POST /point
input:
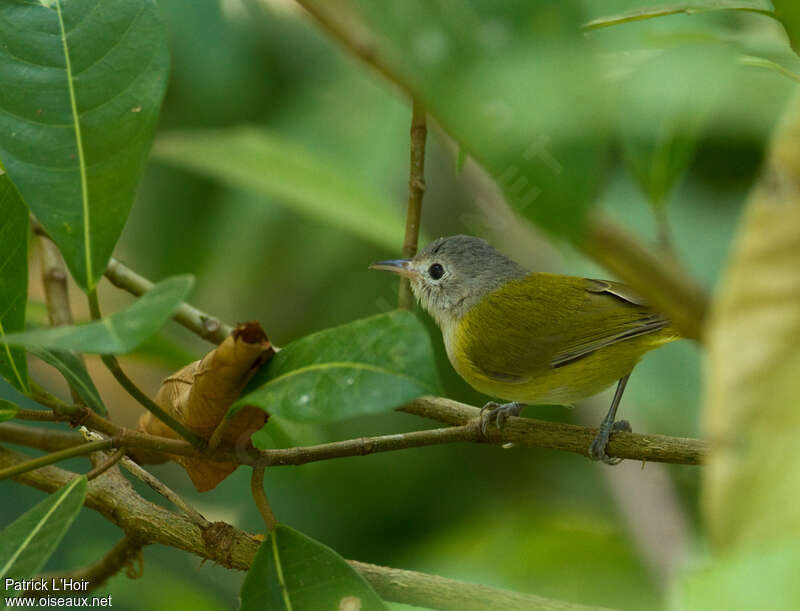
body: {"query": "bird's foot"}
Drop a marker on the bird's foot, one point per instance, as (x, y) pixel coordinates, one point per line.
(499, 413)
(597, 449)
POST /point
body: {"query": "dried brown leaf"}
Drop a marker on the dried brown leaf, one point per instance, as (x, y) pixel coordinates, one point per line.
(199, 396)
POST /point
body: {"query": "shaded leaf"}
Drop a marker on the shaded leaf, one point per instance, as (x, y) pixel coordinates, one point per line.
(118, 333)
(702, 6)
(295, 573)
(253, 159)
(665, 102)
(13, 278)
(77, 116)
(788, 11)
(362, 367)
(751, 485)
(7, 410)
(27, 543)
(71, 367)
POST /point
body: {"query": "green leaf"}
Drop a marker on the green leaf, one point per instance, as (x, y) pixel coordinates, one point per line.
(751, 483)
(27, 543)
(754, 579)
(75, 373)
(118, 333)
(7, 410)
(13, 278)
(365, 366)
(293, 572)
(253, 159)
(665, 102)
(82, 86)
(788, 11)
(689, 8)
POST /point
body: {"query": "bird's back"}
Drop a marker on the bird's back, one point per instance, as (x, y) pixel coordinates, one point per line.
(545, 338)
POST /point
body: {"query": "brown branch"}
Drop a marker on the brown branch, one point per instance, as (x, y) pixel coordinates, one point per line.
(416, 190)
(206, 326)
(54, 279)
(464, 421)
(127, 554)
(224, 544)
(260, 498)
(565, 437)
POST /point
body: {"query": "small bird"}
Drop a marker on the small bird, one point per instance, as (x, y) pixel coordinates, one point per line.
(532, 337)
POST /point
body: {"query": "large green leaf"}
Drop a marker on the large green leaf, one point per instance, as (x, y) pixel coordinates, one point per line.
(27, 543)
(74, 371)
(13, 278)
(82, 85)
(253, 159)
(118, 333)
(292, 572)
(366, 366)
(751, 484)
(7, 410)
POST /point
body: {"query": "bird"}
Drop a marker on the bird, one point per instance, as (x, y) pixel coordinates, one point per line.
(529, 337)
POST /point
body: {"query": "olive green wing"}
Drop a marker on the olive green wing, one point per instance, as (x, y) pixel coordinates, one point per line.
(544, 321)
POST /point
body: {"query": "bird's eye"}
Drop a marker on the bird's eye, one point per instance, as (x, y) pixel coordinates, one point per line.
(436, 271)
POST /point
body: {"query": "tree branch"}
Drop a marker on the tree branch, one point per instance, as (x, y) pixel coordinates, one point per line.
(224, 544)
(49, 459)
(122, 556)
(464, 420)
(416, 190)
(206, 326)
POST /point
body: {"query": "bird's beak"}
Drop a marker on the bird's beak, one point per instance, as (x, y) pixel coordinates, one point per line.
(396, 266)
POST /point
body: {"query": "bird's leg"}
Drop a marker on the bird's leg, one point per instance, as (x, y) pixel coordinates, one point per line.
(499, 413)
(597, 449)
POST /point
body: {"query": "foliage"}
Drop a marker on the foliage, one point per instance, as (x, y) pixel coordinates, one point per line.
(279, 174)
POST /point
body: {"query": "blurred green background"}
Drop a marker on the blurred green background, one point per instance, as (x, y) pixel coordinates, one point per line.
(553, 524)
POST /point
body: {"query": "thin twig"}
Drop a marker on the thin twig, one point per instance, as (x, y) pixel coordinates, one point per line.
(54, 279)
(49, 459)
(106, 464)
(48, 440)
(39, 415)
(112, 364)
(154, 483)
(123, 555)
(260, 498)
(416, 190)
(206, 326)
(233, 548)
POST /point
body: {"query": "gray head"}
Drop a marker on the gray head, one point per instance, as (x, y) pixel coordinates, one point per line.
(450, 274)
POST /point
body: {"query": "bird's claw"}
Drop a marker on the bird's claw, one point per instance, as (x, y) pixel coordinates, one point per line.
(499, 413)
(597, 449)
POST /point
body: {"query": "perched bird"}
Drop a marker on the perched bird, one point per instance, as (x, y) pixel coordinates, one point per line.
(530, 337)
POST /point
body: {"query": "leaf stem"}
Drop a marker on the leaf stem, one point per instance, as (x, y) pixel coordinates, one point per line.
(106, 465)
(49, 459)
(260, 498)
(416, 190)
